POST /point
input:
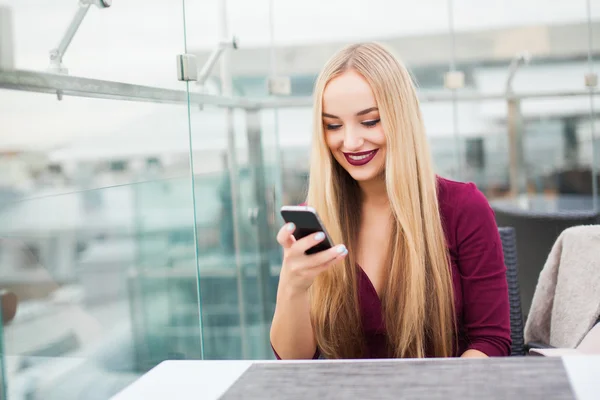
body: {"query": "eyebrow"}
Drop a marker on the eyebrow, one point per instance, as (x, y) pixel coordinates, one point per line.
(358, 114)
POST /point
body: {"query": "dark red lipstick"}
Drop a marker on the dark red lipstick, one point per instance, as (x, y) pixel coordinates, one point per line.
(360, 158)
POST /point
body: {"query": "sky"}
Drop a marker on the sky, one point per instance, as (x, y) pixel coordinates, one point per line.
(135, 41)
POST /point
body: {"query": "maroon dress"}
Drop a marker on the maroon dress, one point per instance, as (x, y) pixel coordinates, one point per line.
(478, 274)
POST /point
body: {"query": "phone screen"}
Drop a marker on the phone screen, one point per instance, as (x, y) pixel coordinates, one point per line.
(307, 223)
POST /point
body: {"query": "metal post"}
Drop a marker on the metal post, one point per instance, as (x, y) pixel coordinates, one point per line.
(278, 167)
(517, 180)
(591, 83)
(515, 147)
(455, 126)
(226, 90)
(570, 142)
(3, 376)
(265, 236)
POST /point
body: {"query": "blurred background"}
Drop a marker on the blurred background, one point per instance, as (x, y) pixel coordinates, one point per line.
(139, 192)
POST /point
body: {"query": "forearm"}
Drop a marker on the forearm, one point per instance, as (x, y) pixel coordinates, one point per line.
(292, 335)
(471, 353)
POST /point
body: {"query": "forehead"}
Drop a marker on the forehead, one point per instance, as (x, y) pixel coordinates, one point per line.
(347, 94)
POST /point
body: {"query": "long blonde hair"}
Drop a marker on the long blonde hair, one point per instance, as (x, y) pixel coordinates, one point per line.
(418, 304)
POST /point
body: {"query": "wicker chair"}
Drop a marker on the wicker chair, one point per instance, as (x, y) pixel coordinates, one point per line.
(509, 247)
(543, 227)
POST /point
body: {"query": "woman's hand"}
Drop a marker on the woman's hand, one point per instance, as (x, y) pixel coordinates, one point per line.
(299, 270)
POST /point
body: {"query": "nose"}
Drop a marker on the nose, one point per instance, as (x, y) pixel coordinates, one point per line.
(352, 140)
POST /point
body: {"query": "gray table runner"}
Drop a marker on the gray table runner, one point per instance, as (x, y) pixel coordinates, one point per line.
(494, 378)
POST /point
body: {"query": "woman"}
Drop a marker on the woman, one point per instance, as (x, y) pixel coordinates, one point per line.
(418, 270)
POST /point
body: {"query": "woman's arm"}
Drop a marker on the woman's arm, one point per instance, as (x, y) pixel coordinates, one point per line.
(486, 309)
(292, 336)
(473, 354)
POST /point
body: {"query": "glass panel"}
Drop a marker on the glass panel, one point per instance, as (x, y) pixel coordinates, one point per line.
(96, 214)
(558, 151)
(235, 282)
(217, 210)
(164, 299)
(262, 145)
(97, 303)
(441, 125)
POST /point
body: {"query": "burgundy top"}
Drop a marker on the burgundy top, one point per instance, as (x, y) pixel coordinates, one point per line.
(478, 274)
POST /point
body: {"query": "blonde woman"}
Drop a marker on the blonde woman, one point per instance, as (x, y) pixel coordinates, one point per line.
(418, 269)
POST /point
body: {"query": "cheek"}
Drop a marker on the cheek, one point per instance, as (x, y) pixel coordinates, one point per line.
(333, 140)
(379, 136)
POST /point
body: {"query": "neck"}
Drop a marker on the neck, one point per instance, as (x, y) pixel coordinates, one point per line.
(374, 193)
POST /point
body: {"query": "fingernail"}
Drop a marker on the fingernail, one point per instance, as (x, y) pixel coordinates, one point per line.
(342, 249)
(290, 227)
(320, 236)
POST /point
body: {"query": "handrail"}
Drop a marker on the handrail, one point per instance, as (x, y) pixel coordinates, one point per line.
(43, 82)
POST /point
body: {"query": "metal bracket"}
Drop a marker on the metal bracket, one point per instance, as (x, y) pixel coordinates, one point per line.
(187, 69)
(212, 61)
(214, 57)
(279, 85)
(591, 80)
(520, 59)
(57, 54)
(454, 80)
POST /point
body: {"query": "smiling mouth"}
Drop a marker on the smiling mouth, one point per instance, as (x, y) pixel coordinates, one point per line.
(360, 158)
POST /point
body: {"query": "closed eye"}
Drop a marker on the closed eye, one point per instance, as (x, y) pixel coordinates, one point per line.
(332, 127)
(371, 123)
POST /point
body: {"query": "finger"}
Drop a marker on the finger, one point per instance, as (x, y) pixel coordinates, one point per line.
(315, 271)
(307, 242)
(284, 236)
(327, 256)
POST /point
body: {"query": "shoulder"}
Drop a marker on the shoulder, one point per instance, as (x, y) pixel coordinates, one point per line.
(457, 197)
(464, 209)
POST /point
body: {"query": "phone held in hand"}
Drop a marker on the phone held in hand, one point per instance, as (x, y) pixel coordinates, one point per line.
(307, 223)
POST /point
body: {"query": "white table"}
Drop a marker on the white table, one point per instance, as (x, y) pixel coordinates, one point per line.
(193, 380)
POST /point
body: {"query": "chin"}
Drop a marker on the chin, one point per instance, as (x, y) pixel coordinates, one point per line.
(362, 174)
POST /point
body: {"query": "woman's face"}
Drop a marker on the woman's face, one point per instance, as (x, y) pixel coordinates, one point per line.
(352, 127)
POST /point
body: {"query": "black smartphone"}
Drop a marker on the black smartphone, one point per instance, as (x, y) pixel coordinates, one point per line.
(307, 223)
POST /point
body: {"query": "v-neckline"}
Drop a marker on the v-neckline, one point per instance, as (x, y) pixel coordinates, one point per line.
(369, 282)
